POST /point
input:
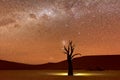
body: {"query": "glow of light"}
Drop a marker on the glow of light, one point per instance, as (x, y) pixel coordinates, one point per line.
(75, 74)
(58, 74)
(87, 74)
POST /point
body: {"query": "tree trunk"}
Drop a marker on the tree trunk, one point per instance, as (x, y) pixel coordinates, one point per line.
(70, 67)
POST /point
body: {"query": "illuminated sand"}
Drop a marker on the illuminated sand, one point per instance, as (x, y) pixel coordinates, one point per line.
(58, 75)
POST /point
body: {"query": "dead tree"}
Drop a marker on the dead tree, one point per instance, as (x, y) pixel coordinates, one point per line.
(68, 50)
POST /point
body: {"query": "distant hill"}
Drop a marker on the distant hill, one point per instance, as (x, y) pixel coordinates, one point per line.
(103, 62)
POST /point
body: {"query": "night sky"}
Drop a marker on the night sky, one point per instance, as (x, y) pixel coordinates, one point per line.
(34, 31)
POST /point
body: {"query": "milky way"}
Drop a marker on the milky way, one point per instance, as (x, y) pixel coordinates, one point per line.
(34, 31)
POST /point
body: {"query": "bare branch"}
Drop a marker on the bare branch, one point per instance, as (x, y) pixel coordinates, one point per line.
(66, 50)
(69, 49)
(70, 43)
(75, 55)
(72, 50)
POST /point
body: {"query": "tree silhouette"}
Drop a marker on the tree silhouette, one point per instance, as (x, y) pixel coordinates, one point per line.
(68, 50)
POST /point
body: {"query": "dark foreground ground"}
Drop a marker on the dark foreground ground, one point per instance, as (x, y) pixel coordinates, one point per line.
(57, 75)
